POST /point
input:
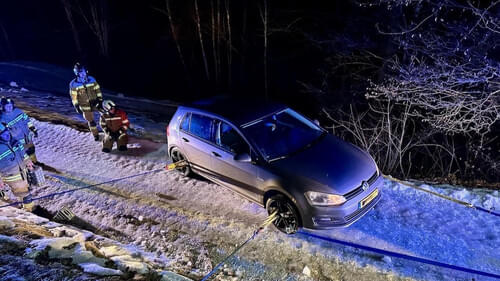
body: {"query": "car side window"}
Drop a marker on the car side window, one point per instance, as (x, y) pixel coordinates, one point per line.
(201, 126)
(185, 122)
(229, 139)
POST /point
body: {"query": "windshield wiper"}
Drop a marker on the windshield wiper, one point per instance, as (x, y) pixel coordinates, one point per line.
(279, 158)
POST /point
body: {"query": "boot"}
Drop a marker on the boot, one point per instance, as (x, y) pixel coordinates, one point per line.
(106, 150)
(122, 148)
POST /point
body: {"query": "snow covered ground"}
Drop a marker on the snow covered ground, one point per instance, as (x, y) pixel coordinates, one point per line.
(34, 248)
(192, 224)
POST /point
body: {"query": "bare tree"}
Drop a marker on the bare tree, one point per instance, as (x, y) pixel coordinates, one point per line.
(5, 35)
(198, 25)
(68, 7)
(174, 36)
(433, 102)
(445, 68)
(264, 18)
(229, 45)
(214, 49)
(97, 20)
(218, 36)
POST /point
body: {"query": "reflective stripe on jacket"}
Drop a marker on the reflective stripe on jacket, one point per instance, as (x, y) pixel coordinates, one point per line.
(19, 124)
(86, 95)
(12, 158)
(115, 122)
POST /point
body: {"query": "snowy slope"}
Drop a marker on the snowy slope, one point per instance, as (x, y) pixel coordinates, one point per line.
(206, 217)
(193, 223)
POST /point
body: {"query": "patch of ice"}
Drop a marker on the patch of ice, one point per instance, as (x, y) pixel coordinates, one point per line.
(134, 145)
(96, 269)
(113, 251)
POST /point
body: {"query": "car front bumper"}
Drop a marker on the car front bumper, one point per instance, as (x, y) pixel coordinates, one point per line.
(316, 217)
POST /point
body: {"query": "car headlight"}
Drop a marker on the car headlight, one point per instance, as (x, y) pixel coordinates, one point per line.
(324, 199)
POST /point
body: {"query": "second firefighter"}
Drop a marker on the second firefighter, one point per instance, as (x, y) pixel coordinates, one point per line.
(114, 123)
(86, 97)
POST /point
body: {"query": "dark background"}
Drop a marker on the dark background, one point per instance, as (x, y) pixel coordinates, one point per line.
(143, 59)
(321, 58)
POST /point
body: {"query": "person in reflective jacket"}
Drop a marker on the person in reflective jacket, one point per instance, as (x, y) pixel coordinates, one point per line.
(19, 125)
(86, 97)
(114, 123)
(14, 163)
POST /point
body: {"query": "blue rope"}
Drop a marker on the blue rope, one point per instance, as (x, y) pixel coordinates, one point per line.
(399, 255)
(79, 188)
(487, 211)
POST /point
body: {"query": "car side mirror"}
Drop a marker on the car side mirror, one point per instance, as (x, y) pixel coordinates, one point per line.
(243, 157)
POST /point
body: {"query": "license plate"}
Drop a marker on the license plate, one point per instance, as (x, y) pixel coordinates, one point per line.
(368, 199)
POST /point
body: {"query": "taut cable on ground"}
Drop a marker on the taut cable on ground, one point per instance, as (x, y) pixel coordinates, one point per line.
(399, 255)
(169, 167)
(444, 196)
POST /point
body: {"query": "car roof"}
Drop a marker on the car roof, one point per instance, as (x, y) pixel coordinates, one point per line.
(237, 110)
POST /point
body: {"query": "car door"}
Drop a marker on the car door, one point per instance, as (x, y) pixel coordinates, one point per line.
(196, 135)
(241, 176)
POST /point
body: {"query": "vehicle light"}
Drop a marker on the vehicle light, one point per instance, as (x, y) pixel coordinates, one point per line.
(324, 199)
(168, 130)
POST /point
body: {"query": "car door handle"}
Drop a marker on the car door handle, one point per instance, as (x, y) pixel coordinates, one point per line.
(215, 154)
(185, 140)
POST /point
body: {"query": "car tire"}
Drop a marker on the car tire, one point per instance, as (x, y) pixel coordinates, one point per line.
(288, 220)
(177, 156)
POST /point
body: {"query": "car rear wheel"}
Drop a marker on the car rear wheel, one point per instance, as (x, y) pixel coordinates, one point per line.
(288, 220)
(178, 156)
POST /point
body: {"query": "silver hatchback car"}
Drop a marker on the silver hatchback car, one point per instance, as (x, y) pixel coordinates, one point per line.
(277, 158)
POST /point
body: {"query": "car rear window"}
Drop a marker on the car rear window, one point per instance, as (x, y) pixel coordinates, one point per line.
(201, 126)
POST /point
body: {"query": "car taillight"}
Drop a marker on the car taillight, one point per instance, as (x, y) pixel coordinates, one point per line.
(168, 130)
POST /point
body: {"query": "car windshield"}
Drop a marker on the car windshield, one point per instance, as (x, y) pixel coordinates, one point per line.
(282, 133)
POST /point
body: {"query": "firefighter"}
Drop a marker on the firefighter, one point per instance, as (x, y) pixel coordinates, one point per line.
(114, 123)
(19, 125)
(14, 163)
(86, 97)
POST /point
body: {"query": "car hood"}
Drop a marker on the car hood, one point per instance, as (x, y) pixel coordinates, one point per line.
(330, 165)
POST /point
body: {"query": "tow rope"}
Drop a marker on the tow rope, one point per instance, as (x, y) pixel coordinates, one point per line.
(466, 204)
(169, 167)
(399, 255)
(267, 222)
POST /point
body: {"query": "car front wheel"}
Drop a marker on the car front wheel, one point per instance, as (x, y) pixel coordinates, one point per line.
(178, 156)
(288, 220)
